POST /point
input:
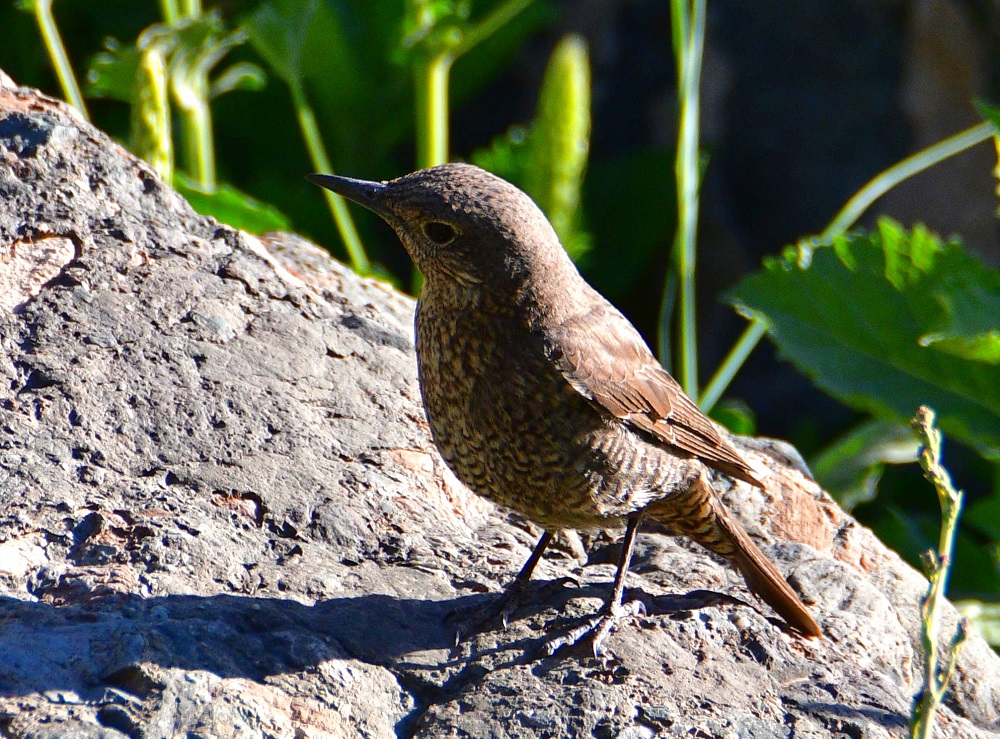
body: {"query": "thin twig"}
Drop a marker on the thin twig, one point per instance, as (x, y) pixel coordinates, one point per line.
(937, 565)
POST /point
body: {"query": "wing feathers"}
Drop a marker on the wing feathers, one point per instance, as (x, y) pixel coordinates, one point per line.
(613, 367)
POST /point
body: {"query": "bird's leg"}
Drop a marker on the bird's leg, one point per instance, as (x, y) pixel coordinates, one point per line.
(596, 629)
(514, 593)
(512, 597)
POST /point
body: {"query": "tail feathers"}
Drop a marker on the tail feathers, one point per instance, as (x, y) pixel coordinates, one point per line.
(764, 580)
(699, 514)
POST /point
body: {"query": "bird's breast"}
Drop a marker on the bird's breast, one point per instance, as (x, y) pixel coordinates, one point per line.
(510, 426)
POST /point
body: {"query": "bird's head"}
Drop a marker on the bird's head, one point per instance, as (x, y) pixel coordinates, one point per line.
(459, 222)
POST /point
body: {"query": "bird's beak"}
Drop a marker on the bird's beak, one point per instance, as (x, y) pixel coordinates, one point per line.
(362, 192)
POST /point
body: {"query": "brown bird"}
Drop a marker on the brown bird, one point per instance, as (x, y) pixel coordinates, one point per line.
(541, 396)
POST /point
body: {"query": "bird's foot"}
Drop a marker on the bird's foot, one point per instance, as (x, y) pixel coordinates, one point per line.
(594, 631)
(473, 620)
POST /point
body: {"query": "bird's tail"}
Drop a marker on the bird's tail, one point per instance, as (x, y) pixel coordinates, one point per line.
(700, 515)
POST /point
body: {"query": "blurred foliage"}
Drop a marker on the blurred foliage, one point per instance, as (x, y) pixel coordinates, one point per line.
(888, 320)
(992, 114)
(885, 321)
(852, 465)
(548, 158)
(985, 619)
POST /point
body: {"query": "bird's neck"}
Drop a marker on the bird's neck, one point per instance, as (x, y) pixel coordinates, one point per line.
(544, 292)
(556, 293)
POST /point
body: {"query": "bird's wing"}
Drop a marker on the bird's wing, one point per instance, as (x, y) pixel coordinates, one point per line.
(606, 360)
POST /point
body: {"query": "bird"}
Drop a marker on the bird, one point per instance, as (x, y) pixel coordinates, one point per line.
(543, 398)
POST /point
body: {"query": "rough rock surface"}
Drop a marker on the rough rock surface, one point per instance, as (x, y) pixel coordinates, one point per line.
(221, 515)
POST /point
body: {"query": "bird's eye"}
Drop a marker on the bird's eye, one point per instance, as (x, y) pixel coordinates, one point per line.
(438, 232)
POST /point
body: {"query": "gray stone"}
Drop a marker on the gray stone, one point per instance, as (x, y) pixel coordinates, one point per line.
(221, 514)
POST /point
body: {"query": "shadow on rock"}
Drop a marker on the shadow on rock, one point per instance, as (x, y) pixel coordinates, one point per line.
(75, 648)
(80, 648)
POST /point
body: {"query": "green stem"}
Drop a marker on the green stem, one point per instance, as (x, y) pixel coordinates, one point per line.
(431, 84)
(170, 12)
(321, 163)
(200, 151)
(885, 181)
(57, 52)
(680, 21)
(754, 332)
(494, 21)
(936, 679)
(688, 183)
(431, 89)
(191, 8)
(151, 137)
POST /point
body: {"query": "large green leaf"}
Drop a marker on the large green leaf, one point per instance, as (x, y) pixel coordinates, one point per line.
(278, 31)
(112, 72)
(887, 321)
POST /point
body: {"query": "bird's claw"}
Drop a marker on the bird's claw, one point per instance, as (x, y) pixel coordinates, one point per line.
(594, 630)
(472, 620)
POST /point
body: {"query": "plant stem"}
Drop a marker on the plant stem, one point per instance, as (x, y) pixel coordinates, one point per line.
(731, 364)
(431, 90)
(497, 19)
(57, 52)
(886, 180)
(197, 124)
(687, 168)
(150, 126)
(191, 8)
(431, 76)
(936, 679)
(321, 163)
(170, 12)
(431, 83)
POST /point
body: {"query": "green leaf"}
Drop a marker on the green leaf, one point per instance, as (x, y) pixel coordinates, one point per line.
(863, 318)
(200, 43)
(112, 72)
(736, 416)
(985, 618)
(913, 534)
(278, 31)
(240, 76)
(984, 516)
(850, 468)
(229, 205)
(992, 114)
(507, 156)
(432, 26)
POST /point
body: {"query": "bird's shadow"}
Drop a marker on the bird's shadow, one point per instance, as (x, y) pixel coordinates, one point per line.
(84, 647)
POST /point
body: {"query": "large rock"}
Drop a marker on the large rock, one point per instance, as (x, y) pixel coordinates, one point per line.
(221, 514)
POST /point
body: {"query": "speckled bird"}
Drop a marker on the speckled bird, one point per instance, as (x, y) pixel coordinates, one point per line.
(541, 396)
